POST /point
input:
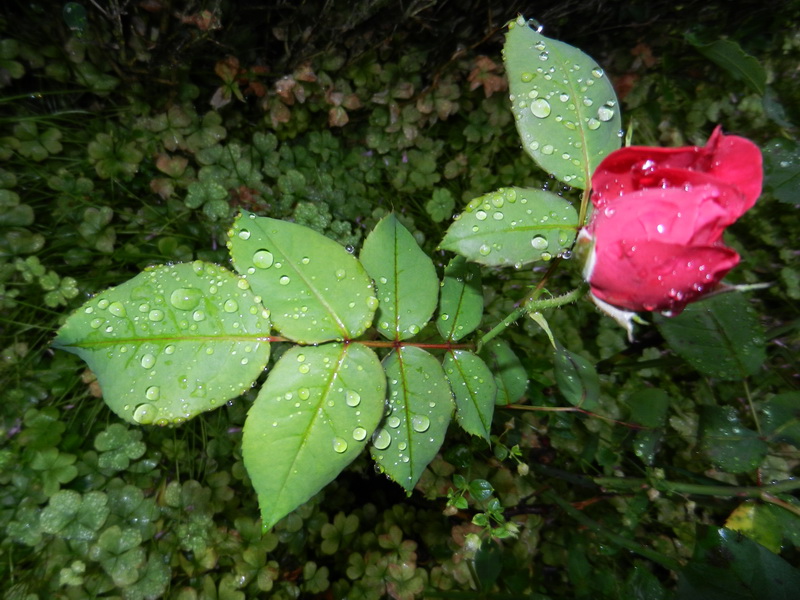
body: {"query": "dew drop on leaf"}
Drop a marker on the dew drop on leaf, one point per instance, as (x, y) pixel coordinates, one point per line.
(352, 398)
(148, 360)
(152, 393)
(185, 298)
(339, 445)
(144, 414)
(263, 259)
(420, 423)
(539, 243)
(381, 439)
(359, 434)
(117, 309)
(244, 234)
(284, 280)
(540, 108)
(230, 306)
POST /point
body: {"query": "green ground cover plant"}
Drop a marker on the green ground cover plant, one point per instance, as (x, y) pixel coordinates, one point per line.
(148, 146)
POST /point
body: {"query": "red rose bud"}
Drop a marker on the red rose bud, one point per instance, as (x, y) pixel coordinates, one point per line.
(658, 219)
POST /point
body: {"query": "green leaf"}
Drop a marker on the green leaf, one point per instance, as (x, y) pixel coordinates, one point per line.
(75, 517)
(405, 278)
(315, 290)
(720, 336)
(781, 421)
(313, 416)
(729, 566)
(759, 522)
(649, 408)
(782, 169)
(120, 554)
(474, 389)
(564, 104)
(513, 226)
(509, 374)
(440, 206)
(727, 443)
(577, 379)
(730, 56)
(172, 342)
(460, 300)
(419, 409)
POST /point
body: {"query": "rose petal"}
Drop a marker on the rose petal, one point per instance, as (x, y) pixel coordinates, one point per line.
(677, 216)
(738, 161)
(659, 276)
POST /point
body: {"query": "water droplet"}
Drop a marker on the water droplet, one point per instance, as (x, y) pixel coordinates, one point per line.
(484, 250)
(103, 304)
(185, 298)
(152, 393)
(543, 56)
(243, 284)
(198, 315)
(148, 360)
(481, 215)
(420, 423)
(244, 234)
(96, 323)
(263, 259)
(498, 216)
(540, 108)
(304, 368)
(372, 302)
(597, 73)
(539, 243)
(156, 315)
(445, 317)
(284, 280)
(393, 422)
(339, 445)
(381, 439)
(352, 398)
(144, 414)
(169, 349)
(230, 306)
(511, 195)
(305, 260)
(117, 309)
(413, 329)
(563, 97)
(340, 274)
(605, 113)
(588, 101)
(527, 77)
(359, 434)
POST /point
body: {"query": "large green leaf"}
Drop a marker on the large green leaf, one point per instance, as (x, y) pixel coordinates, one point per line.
(730, 56)
(509, 374)
(460, 300)
(174, 341)
(419, 409)
(313, 416)
(405, 279)
(577, 379)
(720, 336)
(728, 566)
(564, 104)
(730, 446)
(315, 289)
(474, 389)
(781, 420)
(513, 226)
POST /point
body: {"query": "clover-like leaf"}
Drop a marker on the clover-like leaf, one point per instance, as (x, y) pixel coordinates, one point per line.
(564, 104)
(460, 300)
(312, 417)
(315, 289)
(120, 554)
(75, 517)
(172, 342)
(405, 278)
(513, 226)
(474, 389)
(117, 446)
(419, 410)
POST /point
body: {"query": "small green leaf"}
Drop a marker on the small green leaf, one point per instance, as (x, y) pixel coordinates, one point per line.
(75, 517)
(474, 389)
(781, 420)
(730, 56)
(513, 226)
(460, 300)
(509, 374)
(440, 206)
(120, 554)
(315, 289)
(728, 444)
(419, 409)
(313, 416)
(565, 106)
(720, 336)
(405, 278)
(577, 379)
(759, 523)
(172, 342)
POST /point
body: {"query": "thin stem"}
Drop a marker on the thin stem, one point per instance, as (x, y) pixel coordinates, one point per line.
(584, 203)
(699, 489)
(656, 557)
(752, 406)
